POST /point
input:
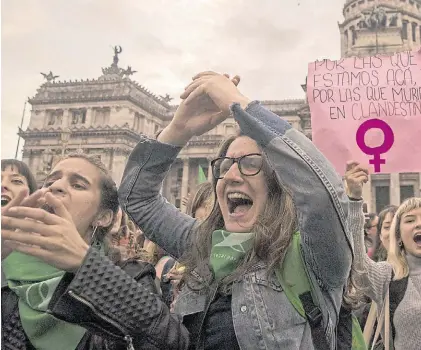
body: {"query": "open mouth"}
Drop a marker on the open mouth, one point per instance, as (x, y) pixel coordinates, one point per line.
(47, 208)
(417, 239)
(5, 200)
(238, 203)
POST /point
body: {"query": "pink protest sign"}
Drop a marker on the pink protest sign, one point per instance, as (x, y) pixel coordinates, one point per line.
(368, 109)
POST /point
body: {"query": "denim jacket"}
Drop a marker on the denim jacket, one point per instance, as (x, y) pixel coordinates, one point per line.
(262, 315)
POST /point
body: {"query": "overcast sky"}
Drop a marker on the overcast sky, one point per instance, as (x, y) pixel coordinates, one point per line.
(268, 42)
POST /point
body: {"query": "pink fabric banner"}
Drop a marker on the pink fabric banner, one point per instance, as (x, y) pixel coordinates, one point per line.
(368, 109)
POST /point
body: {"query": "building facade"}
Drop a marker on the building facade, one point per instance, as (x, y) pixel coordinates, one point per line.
(103, 116)
(106, 116)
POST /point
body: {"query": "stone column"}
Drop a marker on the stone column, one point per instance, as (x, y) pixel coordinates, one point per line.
(89, 116)
(37, 160)
(26, 157)
(106, 157)
(419, 186)
(119, 164)
(348, 39)
(395, 190)
(210, 169)
(399, 22)
(417, 35)
(142, 125)
(66, 117)
(185, 181)
(368, 194)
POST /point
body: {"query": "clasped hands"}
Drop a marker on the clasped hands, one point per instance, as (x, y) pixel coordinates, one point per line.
(51, 237)
(205, 103)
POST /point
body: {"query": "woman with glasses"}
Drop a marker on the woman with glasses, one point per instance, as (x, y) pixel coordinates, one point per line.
(269, 182)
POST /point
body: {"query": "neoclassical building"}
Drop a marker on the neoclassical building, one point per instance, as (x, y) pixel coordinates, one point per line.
(106, 116)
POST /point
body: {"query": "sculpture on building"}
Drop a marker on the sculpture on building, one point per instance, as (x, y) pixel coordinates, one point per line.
(75, 118)
(78, 116)
(51, 119)
(117, 51)
(55, 117)
(393, 21)
(376, 19)
(127, 72)
(166, 98)
(114, 71)
(50, 76)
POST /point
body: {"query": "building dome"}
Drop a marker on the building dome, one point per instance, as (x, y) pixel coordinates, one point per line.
(380, 26)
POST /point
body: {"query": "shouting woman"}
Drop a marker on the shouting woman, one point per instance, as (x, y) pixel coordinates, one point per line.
(17, 182)
(64, 293)
(270, 182)
(398, 278)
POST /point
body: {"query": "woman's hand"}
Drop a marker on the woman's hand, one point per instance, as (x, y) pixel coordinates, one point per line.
(51, 237)
(20, 200)
(356, 176)
(185, 200)
(206, 103)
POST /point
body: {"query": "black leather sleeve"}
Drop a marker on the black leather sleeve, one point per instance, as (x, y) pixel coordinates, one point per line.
(106, 300)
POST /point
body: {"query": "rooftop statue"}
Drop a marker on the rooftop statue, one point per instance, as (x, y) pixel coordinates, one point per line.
(50, 76)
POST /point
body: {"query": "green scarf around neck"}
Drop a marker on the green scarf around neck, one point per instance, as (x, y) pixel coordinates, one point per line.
(34, 282)
(228, 248)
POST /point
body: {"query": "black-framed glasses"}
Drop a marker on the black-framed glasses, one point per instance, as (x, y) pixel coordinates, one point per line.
(249, 165)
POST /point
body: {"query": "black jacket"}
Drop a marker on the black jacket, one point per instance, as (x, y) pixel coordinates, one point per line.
(119, 306)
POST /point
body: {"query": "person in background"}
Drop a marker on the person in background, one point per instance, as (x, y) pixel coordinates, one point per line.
(15, 178)
(59, 253)
(17, 183)
(270, 182)
(370, 229)
(200, 205)
(383, 232)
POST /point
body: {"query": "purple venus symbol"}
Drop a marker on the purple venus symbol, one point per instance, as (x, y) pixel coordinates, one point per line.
(389, 139)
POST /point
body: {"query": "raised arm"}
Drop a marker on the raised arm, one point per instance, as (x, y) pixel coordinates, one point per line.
(150, 161)
(316, 188)
(373, 276)
(139, 197)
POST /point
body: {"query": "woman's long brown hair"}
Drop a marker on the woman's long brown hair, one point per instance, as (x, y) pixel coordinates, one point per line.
(273, 231)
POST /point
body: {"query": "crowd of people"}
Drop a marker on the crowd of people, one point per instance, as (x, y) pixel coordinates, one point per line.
(274, 253)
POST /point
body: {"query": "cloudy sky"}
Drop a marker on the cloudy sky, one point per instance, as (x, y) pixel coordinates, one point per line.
(268, 42)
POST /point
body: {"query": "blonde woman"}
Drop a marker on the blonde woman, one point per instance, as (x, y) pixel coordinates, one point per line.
(401, 273)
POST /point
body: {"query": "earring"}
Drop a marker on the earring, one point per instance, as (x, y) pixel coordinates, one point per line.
(400, 244)
(93, 233)
(94, 241)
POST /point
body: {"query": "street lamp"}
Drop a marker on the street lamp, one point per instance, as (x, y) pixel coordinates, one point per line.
(65, 136)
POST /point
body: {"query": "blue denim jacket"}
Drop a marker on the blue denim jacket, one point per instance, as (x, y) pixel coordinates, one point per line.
(263, 316)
